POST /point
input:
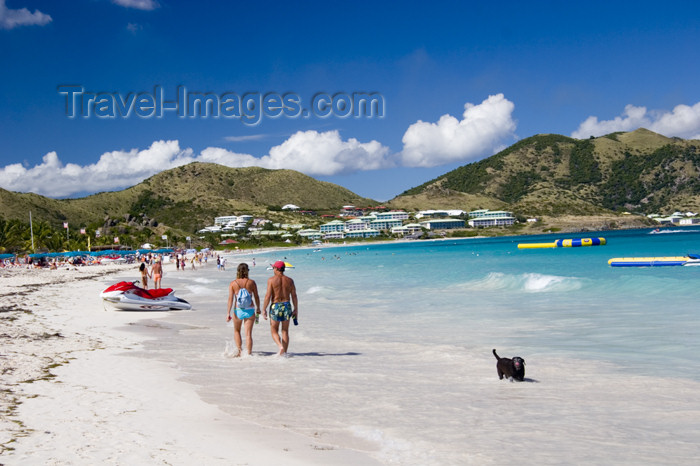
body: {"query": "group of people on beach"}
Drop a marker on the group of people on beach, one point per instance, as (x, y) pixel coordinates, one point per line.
(156, 265)
(280, 296)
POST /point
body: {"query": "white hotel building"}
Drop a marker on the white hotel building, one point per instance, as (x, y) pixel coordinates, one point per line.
(490, 218)
(363, 227)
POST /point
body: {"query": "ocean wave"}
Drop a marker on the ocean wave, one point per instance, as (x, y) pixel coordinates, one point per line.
(200, 290)
(314, 290)
(202, 280)
(526, 282)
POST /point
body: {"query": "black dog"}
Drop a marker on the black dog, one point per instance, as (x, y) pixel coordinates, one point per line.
(510, 368)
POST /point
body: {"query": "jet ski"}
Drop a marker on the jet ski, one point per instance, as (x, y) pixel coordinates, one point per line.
(127, 296)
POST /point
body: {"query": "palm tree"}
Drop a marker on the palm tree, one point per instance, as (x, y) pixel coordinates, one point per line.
(56, 242)
(11, 235)
(44, 235)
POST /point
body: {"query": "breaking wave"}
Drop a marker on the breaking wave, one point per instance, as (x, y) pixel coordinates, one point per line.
(526, 282)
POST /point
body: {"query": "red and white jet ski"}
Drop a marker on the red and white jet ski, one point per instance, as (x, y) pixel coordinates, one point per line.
(129, 297)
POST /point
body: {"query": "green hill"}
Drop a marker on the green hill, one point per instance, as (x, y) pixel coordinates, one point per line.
(556, 175)
(186, 198)
(544, 175)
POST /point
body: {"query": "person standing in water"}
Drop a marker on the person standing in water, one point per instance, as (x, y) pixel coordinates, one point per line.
(280, 291)
(240, 294)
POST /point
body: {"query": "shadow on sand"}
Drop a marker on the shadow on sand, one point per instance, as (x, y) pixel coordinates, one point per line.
(314, 353)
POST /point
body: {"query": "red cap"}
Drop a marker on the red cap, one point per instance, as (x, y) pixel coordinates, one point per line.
(279, 265)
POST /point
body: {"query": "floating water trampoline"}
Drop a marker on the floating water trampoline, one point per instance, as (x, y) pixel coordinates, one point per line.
(565, 243)
(690, 259)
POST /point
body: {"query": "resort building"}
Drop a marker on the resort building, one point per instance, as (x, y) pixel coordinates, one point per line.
(492, 221)
(485, 213)
(334, 235)
(392, 215)
(232, 222)
(310, 234)
(384, 224)
(356, 224)
(432, 214)
(221, 221)
(366, 233)
(490, 218)
(407, 229)
(456, 213)
(335, 225)
(288, 226)
(348, 211)
(212, 229)
(442, 224)
(235, 225)
(258, 233)
(675, 219)
(258, 222)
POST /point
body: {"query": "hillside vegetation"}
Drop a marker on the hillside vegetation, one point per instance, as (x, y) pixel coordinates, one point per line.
(556, 178)
(187, 198)
(555, 175)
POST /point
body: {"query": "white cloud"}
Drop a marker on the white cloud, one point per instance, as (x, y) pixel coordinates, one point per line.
(228, 158)
(326, 153)
(312, 153)
(309, 152)
(10, 19)
(138, 4)
(114, 170)
(249, 137)
(683, 121)
(481, 130)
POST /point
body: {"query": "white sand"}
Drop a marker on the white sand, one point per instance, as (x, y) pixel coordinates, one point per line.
(71, 393)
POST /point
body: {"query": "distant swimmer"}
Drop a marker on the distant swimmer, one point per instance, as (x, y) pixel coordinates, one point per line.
(280, 291)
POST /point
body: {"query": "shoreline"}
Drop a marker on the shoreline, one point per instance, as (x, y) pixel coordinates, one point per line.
(75, 391)
(573, 233)
(107, 392)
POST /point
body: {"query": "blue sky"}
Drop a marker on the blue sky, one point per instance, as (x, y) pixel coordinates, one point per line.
(458, 81)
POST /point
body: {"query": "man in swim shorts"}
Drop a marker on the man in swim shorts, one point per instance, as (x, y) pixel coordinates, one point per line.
(157, 270)
(280, 291)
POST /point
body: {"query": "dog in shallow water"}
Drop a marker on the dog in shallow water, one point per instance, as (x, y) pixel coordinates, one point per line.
(510, 368)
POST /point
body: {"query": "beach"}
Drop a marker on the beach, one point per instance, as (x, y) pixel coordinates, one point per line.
(72, 393)
(390, 364)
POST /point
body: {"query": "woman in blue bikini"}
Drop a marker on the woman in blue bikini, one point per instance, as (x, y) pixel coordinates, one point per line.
(241, 292)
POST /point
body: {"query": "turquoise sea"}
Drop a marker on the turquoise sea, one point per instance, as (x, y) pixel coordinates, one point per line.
(392, 354)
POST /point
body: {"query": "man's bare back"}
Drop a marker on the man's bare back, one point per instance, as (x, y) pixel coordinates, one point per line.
(281, 288)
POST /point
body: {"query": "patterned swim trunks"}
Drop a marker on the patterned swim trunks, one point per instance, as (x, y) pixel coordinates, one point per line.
(281, 312)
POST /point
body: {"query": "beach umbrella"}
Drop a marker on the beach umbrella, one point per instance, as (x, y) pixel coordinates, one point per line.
(75, 253)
